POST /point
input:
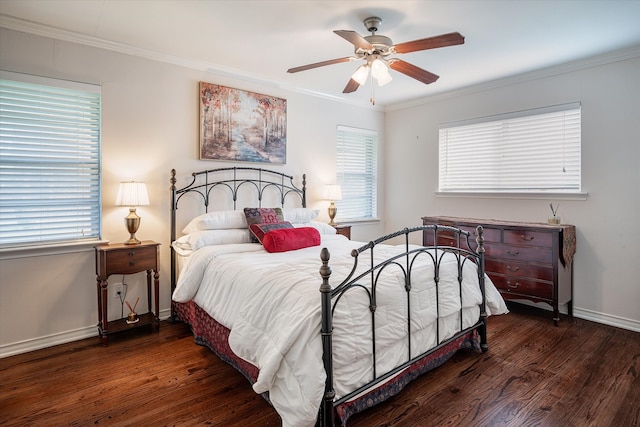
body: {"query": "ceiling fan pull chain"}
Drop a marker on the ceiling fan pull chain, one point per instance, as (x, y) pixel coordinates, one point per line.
(371, 99)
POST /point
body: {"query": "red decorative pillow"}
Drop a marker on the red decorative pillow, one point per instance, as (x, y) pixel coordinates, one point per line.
(259, 230)
(262, 216)
(290, 239)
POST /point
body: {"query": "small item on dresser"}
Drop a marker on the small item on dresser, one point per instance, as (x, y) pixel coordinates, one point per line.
(555, 219)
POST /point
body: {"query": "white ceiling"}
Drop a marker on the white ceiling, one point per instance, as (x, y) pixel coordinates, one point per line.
(260, 40)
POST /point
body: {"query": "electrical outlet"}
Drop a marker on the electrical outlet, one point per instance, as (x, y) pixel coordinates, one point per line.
(117, 290)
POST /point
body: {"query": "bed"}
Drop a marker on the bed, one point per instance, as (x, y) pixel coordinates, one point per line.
(323, 327)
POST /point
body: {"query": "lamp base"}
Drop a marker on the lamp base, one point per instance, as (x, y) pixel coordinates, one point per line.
(132, 221)
(133, 241)
(332, 210)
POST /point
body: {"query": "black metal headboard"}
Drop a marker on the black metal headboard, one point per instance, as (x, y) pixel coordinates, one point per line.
(232, 179)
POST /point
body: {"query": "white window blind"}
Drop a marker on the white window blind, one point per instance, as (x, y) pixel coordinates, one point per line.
(530, 151)
(49, 160)
(357, 161)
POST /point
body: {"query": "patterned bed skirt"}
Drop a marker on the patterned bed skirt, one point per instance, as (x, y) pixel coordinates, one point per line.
(215, 336)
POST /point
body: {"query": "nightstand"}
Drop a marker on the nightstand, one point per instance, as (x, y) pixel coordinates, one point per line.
(345, 230)
(119, 258)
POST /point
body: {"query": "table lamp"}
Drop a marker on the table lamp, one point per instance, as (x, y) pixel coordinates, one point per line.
(132, 194)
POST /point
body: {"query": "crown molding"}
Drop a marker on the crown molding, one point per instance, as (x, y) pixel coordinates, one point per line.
(568, 67)
(38, 29)
(35, 28)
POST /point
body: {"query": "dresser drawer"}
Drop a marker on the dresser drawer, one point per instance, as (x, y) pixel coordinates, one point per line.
(489, 234)
(517, 286)
(520, 269)
(528, 237)
(132, 260)
(449, 238)
(520, 253)
(445, 238)
(450, 241)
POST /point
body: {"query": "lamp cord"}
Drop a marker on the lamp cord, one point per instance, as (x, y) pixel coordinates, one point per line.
(123, 295)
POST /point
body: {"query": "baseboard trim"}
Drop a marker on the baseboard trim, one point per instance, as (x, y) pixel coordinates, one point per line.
(26, 346)
(91, 331)
(607, 319)
(47, 341)
(593, 316)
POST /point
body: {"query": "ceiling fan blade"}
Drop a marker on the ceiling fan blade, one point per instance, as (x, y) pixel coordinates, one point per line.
(355, 39)
(412, 71)
(318, 64)
(351, 86)
(443, 40)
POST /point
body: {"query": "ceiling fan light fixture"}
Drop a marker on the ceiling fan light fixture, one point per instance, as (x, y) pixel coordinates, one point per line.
(361, 74)
(380, 71)
(384, 79)
(376, 49)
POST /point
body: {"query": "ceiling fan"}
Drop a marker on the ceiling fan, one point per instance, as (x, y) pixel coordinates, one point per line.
(375, 50)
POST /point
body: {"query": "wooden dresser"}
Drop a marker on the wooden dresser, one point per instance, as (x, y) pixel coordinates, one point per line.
(526, 261)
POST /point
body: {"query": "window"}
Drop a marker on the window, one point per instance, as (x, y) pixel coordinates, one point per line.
(529, 151)
(49, 161)
(356, 173)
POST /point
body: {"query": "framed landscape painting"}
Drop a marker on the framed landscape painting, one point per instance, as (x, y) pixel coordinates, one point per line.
(242, 126)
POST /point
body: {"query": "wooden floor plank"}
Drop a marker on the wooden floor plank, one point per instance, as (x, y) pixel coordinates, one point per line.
(534, 374)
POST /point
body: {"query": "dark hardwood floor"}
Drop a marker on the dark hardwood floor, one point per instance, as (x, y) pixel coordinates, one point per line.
(534, 374)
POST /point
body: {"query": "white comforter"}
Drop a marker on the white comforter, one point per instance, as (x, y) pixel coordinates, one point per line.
(271, 304)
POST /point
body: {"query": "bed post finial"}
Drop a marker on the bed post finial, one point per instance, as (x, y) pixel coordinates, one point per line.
(326, 411)
(304, 190)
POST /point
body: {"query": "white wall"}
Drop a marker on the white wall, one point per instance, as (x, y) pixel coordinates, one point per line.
(606, 267)
(149, 126)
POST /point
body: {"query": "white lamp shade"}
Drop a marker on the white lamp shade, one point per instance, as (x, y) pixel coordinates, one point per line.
(332, 192)
(361, 74)
(132, 194)
(380, 71)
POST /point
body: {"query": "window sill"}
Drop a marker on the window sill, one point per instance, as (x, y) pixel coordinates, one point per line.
(521, 196)
(47, 250)
(362, 221)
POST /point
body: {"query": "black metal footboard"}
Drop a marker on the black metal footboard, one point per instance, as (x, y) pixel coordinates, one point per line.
(404, 260)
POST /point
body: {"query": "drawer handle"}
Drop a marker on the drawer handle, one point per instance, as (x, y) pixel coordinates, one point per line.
(516, 252)
(512, 269)
(516, 286)
(132, 253)
(131, 263)
(523, 237)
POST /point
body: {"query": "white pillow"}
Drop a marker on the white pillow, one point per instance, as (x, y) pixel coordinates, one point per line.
(217, 220)
(322, 227)
(201, 238)
(300, 215)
